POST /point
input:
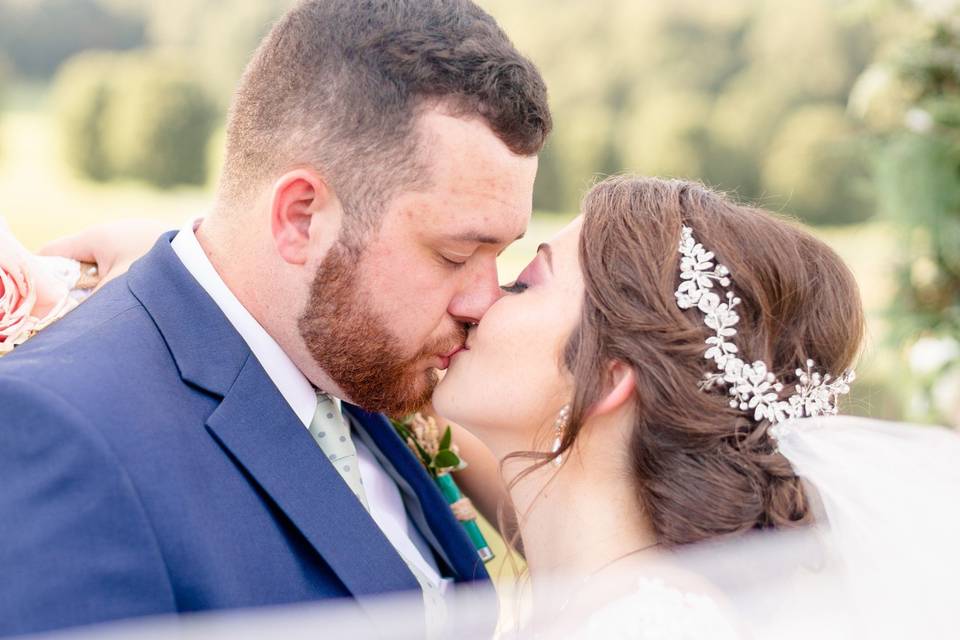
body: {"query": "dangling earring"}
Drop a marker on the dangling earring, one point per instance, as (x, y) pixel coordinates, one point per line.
(563, 418)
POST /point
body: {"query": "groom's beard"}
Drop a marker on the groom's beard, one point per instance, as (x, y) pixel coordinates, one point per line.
(354, 347)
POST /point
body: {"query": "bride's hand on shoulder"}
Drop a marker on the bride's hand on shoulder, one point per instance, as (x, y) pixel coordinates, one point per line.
(113, 246)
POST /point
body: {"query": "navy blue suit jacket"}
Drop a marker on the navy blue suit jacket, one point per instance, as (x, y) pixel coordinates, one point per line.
(148, 465)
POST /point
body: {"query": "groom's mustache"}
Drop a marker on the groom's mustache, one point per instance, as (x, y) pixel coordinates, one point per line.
(444, 346)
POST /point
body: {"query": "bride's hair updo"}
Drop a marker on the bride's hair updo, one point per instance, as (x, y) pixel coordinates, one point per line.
(703, 469)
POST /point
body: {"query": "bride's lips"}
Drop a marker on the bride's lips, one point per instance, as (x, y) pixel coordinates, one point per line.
(445, 360)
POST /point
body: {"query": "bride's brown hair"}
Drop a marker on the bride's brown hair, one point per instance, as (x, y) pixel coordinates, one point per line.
(703, 469)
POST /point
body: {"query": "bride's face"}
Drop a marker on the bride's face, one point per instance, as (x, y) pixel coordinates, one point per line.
(511, 382)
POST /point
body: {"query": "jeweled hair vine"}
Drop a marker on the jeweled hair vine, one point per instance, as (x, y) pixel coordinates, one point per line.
(753, 388)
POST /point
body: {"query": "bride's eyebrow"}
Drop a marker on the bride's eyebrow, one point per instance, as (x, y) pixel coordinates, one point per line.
(547, 253)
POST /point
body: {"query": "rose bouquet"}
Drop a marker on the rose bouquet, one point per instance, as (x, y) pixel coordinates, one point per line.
(35, 290)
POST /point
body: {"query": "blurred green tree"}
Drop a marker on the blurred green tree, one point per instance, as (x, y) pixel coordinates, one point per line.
(700, 90)
(717, 91)
(159, 120)
(37, 36)
(219, 35)
(81, 95)
(918, 186)
(665, 133)
(816, 167)
(135, 115)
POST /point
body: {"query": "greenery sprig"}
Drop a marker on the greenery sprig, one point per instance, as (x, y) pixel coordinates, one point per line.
(436, 452)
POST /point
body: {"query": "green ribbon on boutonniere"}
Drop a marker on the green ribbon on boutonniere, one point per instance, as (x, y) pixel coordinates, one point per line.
(440, 456)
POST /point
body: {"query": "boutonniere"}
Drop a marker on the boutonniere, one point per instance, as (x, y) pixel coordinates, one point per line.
(440, 457)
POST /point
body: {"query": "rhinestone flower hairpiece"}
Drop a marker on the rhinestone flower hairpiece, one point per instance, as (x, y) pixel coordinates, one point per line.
(753, 387)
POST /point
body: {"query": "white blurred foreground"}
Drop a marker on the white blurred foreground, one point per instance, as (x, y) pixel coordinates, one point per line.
(885, 567)
(765, 586)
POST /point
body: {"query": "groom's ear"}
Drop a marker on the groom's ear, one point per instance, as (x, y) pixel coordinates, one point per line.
(302, 204)
(618, 389)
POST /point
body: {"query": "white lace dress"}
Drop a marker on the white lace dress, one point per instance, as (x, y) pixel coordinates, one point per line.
(657, 611)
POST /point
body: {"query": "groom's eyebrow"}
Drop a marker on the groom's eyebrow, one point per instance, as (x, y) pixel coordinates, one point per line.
(483, 238)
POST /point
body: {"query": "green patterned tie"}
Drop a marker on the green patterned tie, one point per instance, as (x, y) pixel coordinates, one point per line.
(332, 433)
(331, 430)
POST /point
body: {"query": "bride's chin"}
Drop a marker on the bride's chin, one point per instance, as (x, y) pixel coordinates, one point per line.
(441, 399)
(445, 401)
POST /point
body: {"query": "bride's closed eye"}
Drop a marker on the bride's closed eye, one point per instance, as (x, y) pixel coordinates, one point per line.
(516, 287)
(533, 274)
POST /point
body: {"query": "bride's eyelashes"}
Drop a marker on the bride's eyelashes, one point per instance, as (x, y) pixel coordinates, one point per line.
(529, 276)
(516, 287)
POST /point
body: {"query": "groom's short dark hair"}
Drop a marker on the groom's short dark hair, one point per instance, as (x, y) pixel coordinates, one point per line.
(337, 84)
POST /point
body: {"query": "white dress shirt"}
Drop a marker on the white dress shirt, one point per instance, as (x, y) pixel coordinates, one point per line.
(383, 495)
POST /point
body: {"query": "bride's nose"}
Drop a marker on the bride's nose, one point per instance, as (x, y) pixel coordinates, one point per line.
(477, 294)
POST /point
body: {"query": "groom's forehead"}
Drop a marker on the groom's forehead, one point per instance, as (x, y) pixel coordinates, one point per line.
(478, 214)
(473, 216)
(464, 153)
(483, 224)
(466, 226)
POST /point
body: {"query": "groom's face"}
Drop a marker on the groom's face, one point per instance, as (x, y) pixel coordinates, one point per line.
(381, 323)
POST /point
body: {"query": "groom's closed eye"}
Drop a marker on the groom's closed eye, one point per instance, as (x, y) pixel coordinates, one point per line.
(453, 263)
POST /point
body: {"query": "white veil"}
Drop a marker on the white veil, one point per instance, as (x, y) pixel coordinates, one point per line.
(881, 562)
(890, 517)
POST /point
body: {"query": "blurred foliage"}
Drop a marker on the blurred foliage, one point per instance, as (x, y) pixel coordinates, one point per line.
(917, 172)
(38, 35)
(817, 159)
(137, 115)
(81, 95)
(218, 35)
(134, 115)
(746, 95)
(160, 120)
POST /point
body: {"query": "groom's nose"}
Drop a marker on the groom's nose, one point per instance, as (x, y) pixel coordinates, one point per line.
(478, 293)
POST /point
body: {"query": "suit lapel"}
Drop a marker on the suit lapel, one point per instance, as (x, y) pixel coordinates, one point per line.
(454, 541)
(256, 426)
(264, 435)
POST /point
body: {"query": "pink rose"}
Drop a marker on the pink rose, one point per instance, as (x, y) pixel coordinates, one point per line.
(31, 296)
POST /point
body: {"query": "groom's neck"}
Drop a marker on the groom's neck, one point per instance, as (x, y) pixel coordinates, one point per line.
(240, 263)
(248, 267)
